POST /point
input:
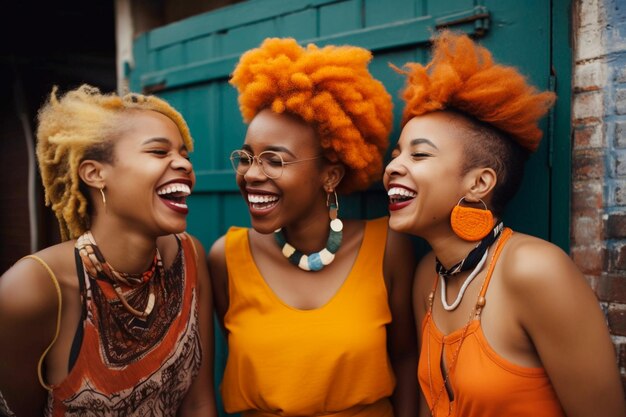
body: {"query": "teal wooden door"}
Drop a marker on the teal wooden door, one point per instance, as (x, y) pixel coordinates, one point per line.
(189, 62)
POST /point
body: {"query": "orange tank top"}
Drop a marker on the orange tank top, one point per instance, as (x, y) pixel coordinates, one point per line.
(290, 362)
(484, 384)
(146, 371)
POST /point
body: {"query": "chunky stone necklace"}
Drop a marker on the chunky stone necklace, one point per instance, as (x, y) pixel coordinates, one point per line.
(317, 260)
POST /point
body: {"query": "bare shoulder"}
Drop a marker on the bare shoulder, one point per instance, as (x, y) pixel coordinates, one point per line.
(217, 252)
(27, 291)
(529, 263)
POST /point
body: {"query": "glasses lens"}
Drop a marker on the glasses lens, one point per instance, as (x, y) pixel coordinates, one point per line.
(241, 161)
(271, 163)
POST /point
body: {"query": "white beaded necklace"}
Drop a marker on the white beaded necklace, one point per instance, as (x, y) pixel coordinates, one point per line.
(468, 280)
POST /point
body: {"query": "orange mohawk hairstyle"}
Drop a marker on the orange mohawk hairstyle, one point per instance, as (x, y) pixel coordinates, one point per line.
(462, 76)
(331, 89)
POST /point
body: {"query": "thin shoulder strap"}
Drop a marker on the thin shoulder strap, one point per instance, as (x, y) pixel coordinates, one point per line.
(55, 281)
(506, 234)
(188, 237)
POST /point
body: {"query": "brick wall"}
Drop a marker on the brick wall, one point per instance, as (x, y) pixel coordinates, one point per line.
(599, 157)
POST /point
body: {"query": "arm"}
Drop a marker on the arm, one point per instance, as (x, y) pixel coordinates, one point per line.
(28, 312)
(399, 266)
(219, 278)
(200, 400)
(561, 315)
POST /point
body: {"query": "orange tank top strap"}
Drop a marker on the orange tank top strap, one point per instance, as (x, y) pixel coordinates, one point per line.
(480, 303)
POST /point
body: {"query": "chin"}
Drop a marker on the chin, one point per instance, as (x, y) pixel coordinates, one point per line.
(263, 227)
(399, 223)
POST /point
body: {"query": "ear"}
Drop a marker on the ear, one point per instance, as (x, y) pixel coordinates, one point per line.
(92, 173)
(333, 174)
(480, 184)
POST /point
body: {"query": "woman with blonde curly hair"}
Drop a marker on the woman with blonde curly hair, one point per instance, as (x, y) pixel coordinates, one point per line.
(507, 325)
(316, 311)
(116, 320)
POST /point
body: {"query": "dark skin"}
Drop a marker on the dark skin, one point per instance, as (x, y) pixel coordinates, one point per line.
(302, 213)
(538, 302)
(127, 232)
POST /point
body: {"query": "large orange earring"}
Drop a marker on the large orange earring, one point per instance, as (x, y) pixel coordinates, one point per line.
(470, 223)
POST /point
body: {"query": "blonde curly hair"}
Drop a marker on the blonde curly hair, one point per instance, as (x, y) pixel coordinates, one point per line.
(331, 89)
(83, 124)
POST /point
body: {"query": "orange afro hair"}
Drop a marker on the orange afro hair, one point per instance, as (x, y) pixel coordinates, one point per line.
(331, 89)
(462, 76)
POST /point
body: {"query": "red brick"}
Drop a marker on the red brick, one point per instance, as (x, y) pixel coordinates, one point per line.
(587, 195)
(588, 136)
(588, 164)
(617, 319)
(616, 226)
(618, 258)
(612, 288)
(621, 354)
(587, 229)
(589, 259)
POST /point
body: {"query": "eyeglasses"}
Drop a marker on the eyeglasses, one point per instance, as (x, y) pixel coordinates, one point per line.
(270, 162)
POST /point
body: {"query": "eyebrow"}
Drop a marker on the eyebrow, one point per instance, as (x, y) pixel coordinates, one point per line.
(419, 141)
(270, 148)
(164, 141)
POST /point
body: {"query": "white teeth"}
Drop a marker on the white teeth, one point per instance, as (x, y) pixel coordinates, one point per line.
(175, 188)
(181, 205)
(398, 191)
(261, 198)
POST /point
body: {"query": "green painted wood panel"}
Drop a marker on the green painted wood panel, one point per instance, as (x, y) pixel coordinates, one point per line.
(189, 63)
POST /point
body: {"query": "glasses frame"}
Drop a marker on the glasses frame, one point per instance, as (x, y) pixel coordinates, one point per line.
(259, 161)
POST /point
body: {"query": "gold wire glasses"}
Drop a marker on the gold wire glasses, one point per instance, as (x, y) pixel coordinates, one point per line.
(270, 162)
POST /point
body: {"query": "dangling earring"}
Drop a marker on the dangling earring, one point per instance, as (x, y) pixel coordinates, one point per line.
(333, 209)
(470, 223)
(104, 199)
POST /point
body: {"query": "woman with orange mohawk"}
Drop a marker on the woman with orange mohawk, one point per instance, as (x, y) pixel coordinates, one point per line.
(507, 325)
(317, 311)
(116, 320)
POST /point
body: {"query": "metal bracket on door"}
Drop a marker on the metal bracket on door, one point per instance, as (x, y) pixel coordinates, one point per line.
(478, 17)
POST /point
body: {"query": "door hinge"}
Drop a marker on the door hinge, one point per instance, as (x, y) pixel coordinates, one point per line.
(478, 16)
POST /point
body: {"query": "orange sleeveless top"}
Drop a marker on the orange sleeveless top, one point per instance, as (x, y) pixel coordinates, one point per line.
(484, 384)
(327, 361)
(146, 371)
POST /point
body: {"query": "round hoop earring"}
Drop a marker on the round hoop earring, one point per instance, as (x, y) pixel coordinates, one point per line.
(471, 224)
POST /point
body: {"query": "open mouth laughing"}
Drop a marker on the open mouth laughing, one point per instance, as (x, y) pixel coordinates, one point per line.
(262, 201)
(400, 197)
(174, 194)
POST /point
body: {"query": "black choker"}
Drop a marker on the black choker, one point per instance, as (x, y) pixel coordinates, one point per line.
(472, 258)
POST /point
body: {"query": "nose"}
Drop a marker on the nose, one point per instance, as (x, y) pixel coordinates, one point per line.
(395, 167)
(255, 171)
(181, 162)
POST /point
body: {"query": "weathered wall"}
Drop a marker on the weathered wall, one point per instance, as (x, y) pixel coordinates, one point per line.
(599, 157)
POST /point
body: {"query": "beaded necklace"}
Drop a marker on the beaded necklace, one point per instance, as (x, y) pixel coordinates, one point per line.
(99, 268)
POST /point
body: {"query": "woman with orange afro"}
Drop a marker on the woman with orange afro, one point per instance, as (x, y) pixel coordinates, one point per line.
(317, 311)
(507, 325)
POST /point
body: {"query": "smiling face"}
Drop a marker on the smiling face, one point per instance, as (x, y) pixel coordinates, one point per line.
(297, 196)
(150, 177)
(424, 179)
